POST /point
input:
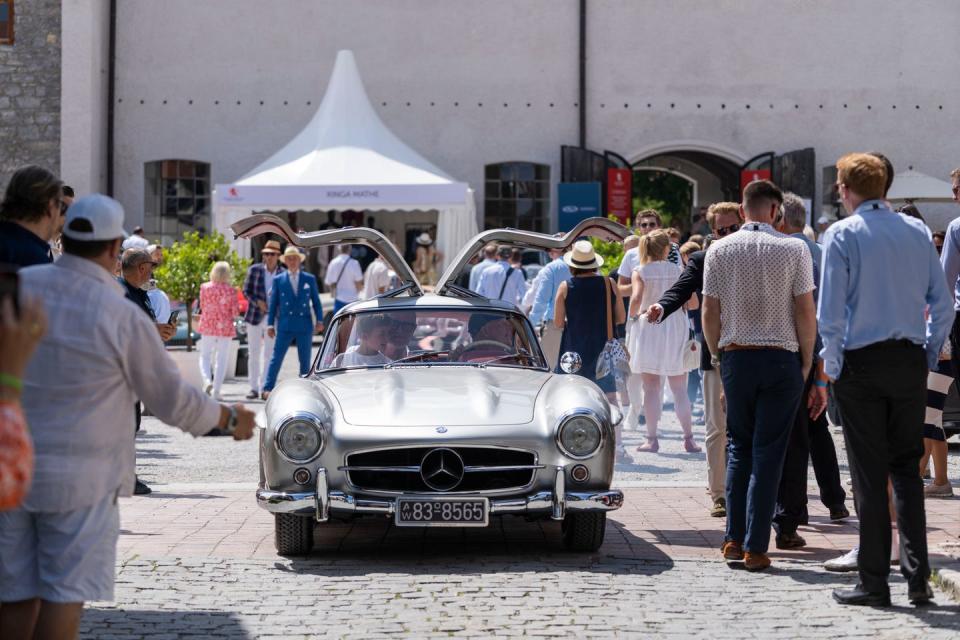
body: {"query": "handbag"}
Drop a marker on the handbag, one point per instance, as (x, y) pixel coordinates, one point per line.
(614, 358)
(691, 354)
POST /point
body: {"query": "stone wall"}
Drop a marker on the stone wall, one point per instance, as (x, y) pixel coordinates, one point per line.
(30, 89)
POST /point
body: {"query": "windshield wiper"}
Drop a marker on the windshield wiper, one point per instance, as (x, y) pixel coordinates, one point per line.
(416, 356)
(521, 353)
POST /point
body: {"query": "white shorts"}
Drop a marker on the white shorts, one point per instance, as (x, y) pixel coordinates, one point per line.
(64, 557)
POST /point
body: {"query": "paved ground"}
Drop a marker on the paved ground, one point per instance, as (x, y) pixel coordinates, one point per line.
(196, 559)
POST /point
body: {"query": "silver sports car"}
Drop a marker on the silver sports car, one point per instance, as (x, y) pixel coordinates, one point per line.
(435, 410)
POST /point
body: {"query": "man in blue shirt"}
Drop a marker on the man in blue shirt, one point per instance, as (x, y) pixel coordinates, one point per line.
(877, 351)
(500, 281)
(489, 259)
(546, 285)
(31, 215)
(950, 259)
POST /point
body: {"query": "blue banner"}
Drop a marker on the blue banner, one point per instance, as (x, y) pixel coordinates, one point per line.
(577, 201)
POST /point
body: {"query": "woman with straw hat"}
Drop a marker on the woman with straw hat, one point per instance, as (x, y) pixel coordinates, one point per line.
(583, 305)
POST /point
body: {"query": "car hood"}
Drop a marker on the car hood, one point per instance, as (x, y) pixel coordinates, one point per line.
(436, 396)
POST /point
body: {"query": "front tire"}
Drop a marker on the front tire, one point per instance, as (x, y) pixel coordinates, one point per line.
(293, 534)
(584, 531)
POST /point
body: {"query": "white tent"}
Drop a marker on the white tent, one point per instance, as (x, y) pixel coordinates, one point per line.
(915, 186)
(347, 159)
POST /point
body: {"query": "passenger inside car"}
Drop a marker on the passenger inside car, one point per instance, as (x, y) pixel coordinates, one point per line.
(493, 336)
(372, 331)
(403, 324)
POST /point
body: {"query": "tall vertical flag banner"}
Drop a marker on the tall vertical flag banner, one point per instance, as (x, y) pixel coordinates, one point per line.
(751, 175)
(620, 194)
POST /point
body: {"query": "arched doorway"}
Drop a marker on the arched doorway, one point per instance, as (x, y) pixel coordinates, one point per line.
(683, 180)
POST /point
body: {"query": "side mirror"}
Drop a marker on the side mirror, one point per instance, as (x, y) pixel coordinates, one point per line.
(571, 362)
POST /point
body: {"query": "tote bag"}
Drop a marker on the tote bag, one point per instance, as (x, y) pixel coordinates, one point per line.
(614, 357)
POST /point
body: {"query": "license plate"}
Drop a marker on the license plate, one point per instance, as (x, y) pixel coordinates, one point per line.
(442, 512)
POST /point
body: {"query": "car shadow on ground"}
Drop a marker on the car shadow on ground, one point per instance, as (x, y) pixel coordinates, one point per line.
(508, 544)
(132, 623)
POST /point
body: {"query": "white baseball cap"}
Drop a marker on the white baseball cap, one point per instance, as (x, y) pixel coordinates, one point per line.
(94, 217)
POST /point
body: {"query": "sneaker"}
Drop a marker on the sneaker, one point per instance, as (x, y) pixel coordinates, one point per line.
(846, 562)
(938, 490)
(719, 509)
(141, 488)
(732, 550)
(253, 395)
(756, 561)
(839, 513)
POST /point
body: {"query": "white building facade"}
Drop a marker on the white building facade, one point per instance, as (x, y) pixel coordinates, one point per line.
(214, 87)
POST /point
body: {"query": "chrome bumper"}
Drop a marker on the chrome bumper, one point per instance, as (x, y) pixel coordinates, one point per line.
(322, 502)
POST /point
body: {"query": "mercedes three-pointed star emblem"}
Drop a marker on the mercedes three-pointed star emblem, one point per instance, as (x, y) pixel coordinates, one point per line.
(442, 469)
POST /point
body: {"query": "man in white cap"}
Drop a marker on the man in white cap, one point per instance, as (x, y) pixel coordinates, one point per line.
(288, 314)
(99, 354)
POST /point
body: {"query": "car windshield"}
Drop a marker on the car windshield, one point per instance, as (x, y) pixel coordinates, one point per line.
(394, 338)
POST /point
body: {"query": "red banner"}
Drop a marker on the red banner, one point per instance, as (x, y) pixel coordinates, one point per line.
(749, 175)
(620, 194)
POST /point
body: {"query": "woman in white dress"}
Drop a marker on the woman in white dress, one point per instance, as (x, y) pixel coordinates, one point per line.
(657, 349)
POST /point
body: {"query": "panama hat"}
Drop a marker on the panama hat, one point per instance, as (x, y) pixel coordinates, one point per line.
(272, 246)
(293, 251)
(424, 239)
(583, 256)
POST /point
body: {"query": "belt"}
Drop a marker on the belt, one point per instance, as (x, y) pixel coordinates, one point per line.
(750, 347)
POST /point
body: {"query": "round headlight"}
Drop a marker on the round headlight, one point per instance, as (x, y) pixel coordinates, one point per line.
(579, 436)
(299, 440)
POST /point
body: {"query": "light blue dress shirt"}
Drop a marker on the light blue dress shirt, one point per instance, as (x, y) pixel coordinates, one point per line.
(491, 283)
(477, 271)
(548, 281)
(950, 259)
(880, 272)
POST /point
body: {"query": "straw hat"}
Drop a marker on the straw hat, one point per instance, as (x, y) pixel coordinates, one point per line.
(272, 246)
(293, 251)
(424, 239)
(583, 256)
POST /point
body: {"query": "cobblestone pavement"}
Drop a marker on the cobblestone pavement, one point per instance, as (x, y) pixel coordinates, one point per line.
(196, 559)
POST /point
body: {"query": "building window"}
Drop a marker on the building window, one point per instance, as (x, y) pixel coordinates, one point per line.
(517, 195)
(177, 199)
(6, 21)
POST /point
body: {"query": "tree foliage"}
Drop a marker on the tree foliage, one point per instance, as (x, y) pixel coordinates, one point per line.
(186, 265)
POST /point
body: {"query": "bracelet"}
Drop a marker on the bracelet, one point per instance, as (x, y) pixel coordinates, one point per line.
(820, 383)
(11, 382)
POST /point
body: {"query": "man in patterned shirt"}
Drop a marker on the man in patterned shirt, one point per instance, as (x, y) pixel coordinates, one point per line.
(759, 320)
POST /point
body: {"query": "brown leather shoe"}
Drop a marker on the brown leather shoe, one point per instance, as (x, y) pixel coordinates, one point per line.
(756, 561)
(732, 550)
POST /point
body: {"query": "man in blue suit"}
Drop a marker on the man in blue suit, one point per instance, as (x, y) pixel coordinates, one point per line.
(288, 315)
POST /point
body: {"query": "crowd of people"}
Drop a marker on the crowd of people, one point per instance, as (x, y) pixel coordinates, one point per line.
(766, 322)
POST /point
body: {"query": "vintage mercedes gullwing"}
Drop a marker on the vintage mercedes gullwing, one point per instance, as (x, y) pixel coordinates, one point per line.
(435, 410)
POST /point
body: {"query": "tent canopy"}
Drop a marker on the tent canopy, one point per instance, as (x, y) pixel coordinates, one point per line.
(347, 159)
(913, 185)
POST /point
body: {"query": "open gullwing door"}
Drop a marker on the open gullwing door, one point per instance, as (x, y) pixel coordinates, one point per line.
(602, 228)
(261, 223)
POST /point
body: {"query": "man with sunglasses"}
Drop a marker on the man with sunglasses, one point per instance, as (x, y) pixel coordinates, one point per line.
(724, 219)
(31, 215)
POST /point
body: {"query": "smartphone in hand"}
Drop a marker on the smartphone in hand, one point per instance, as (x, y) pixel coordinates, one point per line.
(174, 316)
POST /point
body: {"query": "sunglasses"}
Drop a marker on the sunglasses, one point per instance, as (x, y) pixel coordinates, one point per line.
(723, 231)
(648, 225)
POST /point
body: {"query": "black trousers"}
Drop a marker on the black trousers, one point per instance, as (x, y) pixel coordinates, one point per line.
(809, 439)
(881, 395)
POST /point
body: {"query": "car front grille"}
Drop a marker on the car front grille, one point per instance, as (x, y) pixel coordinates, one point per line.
(399, 470)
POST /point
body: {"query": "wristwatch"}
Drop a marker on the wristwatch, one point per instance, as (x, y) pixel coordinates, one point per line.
(231, 420)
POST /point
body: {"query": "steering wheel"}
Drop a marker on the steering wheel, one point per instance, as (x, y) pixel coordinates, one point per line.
(483, 344)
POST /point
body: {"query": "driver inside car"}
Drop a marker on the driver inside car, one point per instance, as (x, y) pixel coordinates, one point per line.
(372, 332)
(493, 337)
(403, 324)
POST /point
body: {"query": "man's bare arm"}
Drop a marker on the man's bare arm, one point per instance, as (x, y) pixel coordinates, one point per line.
(710, 318)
